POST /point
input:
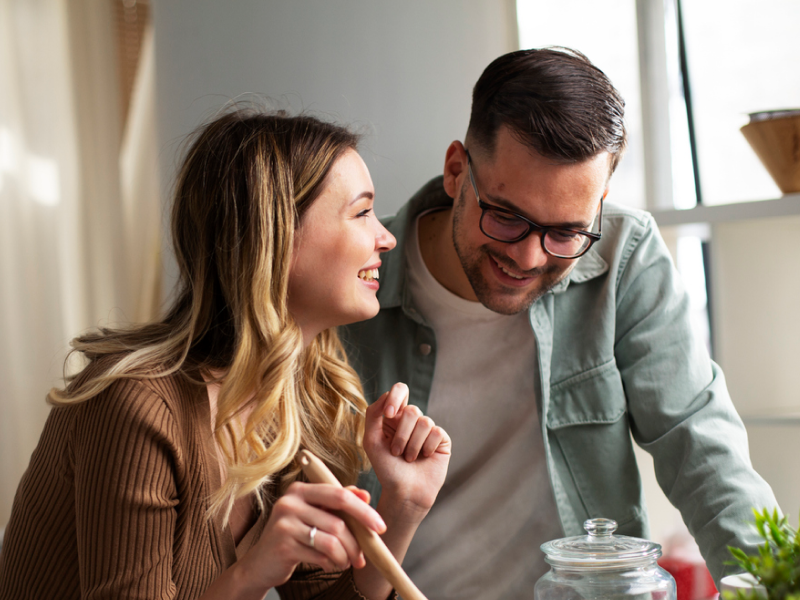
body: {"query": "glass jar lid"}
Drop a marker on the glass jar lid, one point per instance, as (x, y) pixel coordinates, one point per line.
(600, 548)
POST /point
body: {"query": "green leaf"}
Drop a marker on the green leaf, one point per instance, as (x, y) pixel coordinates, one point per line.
(777, 564)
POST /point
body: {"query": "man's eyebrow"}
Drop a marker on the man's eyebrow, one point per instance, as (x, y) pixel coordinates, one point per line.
(364, 194)
(508, 205)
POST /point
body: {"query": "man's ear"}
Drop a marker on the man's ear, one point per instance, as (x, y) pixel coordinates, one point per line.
(455, 166)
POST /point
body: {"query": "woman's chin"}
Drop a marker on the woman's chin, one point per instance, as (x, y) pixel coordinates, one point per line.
(373, 310)
(364, 314)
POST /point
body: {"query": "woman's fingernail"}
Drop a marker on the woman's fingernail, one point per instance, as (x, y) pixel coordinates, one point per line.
(381, 525)
(389, 412)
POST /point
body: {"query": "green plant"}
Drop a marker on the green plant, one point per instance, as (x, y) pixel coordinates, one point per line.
(777, 564)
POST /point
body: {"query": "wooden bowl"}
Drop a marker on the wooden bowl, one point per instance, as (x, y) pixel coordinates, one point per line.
(776, 142)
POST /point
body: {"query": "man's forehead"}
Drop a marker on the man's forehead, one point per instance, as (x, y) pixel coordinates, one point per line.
(506, 143)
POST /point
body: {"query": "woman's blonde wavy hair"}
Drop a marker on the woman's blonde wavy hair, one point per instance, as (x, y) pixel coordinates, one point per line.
(247, 180)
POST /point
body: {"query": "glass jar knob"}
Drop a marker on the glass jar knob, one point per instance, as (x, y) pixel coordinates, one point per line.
(600, 527)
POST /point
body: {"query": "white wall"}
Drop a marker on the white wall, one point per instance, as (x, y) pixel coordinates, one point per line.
(756, 286)
(403, 71)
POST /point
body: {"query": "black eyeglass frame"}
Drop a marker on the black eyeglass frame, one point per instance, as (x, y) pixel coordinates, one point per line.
(593, 237)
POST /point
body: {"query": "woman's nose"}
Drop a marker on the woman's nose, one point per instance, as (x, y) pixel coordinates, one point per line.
(384, 240)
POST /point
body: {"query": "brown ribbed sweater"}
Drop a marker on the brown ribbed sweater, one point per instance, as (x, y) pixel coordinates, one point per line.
(113, 504)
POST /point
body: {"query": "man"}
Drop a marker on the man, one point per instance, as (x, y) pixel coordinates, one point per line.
(543, 328)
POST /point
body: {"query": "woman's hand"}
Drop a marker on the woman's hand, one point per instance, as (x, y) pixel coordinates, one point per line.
(409, 453)
(287, 539)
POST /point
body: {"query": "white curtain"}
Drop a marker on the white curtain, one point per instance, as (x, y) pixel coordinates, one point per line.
(79, 205)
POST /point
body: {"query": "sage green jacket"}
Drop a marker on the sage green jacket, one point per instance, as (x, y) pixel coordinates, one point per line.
(617, 361)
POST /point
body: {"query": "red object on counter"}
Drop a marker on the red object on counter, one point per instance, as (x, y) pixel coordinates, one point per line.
(692, 578)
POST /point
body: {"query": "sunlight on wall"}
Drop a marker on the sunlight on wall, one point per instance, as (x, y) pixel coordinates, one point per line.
(41, 175)
(42, 181)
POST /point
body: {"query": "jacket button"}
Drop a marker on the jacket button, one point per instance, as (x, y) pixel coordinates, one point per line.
(425, 349)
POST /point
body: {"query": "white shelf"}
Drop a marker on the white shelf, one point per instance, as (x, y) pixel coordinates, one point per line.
(787, 418)
(788, 205)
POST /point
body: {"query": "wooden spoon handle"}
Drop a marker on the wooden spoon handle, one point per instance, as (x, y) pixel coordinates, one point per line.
(371, 543)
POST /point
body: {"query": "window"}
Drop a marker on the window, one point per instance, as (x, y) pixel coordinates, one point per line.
(743, 57)
(606, 33)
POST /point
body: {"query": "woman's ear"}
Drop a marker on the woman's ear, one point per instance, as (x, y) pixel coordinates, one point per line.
(455, 165)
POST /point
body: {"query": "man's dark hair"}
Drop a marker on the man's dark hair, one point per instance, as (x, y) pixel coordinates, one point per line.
(554, 100)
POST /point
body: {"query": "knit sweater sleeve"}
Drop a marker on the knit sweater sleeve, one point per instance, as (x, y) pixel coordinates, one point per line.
(123, 455)
(311, 582)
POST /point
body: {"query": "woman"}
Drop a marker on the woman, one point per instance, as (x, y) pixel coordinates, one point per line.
(167, 467)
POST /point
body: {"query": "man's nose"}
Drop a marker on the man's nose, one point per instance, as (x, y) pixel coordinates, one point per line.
(528, 254)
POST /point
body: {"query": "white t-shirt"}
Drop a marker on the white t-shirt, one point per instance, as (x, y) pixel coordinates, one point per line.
(481, 539)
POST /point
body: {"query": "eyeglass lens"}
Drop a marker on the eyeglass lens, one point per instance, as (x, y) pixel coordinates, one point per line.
(508, 228)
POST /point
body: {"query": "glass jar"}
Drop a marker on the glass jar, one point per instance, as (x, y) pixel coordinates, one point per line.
(604, 566)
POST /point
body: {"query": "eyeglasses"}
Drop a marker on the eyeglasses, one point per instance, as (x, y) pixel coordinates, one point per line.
(508, 227)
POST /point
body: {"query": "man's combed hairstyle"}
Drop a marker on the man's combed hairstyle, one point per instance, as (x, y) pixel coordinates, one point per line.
(553, 100)
(246, 181)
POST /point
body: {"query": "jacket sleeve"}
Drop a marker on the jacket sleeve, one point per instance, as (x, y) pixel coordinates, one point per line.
(125, 494)
(680, 408)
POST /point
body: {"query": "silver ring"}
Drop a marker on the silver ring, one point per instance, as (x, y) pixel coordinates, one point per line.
(311, 535)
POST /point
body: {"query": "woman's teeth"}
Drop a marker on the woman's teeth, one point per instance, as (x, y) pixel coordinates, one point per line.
(368, 274)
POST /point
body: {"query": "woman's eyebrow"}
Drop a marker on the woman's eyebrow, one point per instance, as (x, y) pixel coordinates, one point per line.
(365, 194)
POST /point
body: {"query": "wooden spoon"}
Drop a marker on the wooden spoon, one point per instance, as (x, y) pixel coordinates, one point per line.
(371, 543)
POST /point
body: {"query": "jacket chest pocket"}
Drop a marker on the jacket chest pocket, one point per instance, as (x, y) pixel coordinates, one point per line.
(587, 421)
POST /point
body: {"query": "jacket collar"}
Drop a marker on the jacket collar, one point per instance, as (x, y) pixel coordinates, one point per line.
(589, 266)
(431, 196)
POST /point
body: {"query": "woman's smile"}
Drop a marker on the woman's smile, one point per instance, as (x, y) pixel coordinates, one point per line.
(339, 235)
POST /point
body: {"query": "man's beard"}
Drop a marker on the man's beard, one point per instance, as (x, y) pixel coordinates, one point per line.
(512, 301)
